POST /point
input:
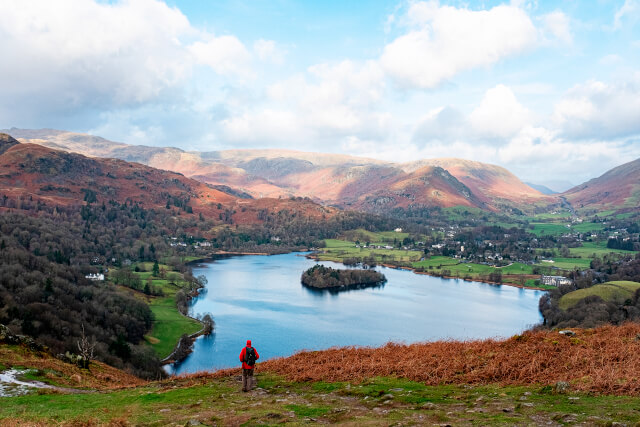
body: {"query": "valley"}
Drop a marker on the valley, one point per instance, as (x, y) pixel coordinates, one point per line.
(150, 231)
(405, 213)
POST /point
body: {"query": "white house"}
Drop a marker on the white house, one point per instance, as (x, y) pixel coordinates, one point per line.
(555, 280)
(95, 277)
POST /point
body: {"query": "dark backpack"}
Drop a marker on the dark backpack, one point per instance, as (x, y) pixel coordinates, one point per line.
(250, 356)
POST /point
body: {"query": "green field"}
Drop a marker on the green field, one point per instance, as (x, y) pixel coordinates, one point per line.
(589, 249)
(459, 213)
(436, 262)
(168, 326)
(610, 291)
(453, 267)
(378, 401)
(507, 225)
(568, 263)
(548, 228)
(379, 238)
(557, 229)
(339, 250)
(558, 215)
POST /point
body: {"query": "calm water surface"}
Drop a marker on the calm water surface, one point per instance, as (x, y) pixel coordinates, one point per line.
(261, 298)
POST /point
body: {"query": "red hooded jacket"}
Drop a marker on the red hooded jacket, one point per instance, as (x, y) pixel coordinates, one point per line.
(242, 354)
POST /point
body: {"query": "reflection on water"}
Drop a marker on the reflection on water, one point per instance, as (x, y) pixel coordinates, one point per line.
(343, 289)
(261, 298)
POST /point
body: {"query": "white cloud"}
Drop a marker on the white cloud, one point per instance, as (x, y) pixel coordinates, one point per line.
(598, 110)
(610, 59)
(265, 127)
(444, 41)
(225, 55)
(499, 115)
(538, 153)
(127, 52)
(558, 25)
(630, 11)
(66, 56)
(327, 104)
(442, 124)
(268, 51)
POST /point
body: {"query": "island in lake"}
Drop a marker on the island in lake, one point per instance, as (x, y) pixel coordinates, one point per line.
(321, 277)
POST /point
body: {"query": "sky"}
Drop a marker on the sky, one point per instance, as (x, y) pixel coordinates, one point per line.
(549, 90)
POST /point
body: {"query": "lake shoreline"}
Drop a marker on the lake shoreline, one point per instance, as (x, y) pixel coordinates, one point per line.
(315, 257)
(261, 298)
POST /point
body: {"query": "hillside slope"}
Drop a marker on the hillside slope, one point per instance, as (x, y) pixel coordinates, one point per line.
(492, 184)
(330, 179)
(530, 379)
(62, 178)
(617, 188)
(616, 291)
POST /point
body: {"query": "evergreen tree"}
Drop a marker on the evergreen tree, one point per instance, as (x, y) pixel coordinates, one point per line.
(156, 269)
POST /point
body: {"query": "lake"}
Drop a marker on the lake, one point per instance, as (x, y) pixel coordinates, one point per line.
(261, 298)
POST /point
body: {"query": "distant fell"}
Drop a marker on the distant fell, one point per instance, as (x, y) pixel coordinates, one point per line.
(490, 183)
(331, 179)
(58, 177)
(541, 188)
(617, 188)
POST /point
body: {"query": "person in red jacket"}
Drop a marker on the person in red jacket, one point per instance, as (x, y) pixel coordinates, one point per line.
(248, 357)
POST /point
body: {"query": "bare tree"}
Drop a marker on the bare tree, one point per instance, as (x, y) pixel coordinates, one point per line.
(86, 349)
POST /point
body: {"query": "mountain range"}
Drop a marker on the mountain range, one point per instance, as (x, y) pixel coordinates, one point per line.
(350, 182)
(56, 177)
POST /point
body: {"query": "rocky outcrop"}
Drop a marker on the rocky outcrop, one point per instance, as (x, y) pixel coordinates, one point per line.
(8, 337)
(6, 142)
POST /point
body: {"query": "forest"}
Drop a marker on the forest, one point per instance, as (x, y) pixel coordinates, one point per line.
(322, 277)
(46, 252)
(44, 257)
(593, 310)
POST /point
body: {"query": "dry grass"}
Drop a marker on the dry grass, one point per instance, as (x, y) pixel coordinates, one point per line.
(100, 376)
(604, 360)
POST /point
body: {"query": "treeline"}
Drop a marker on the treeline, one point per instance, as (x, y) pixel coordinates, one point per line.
(322, 277)
(612, 267)
(285, 230)
(45, 254)
(593, 310)
(624, 244)
(589, 312)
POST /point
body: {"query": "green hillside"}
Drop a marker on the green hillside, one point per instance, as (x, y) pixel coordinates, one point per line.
(610, 291)
(379, 401)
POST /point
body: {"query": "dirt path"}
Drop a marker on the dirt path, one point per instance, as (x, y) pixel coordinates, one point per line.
(11, 385)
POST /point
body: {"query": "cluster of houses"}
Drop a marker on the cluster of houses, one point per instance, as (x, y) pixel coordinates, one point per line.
(555, 280)
(175, 243)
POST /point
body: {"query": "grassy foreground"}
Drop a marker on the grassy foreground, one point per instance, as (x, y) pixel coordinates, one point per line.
(539, 377)
(378, 401)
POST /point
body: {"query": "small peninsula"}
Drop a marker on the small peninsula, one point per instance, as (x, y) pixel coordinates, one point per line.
(321, 277)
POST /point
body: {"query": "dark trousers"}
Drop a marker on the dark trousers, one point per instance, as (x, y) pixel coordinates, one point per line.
(247, 379)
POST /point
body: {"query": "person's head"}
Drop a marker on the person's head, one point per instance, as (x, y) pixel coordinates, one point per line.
(248, 343)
